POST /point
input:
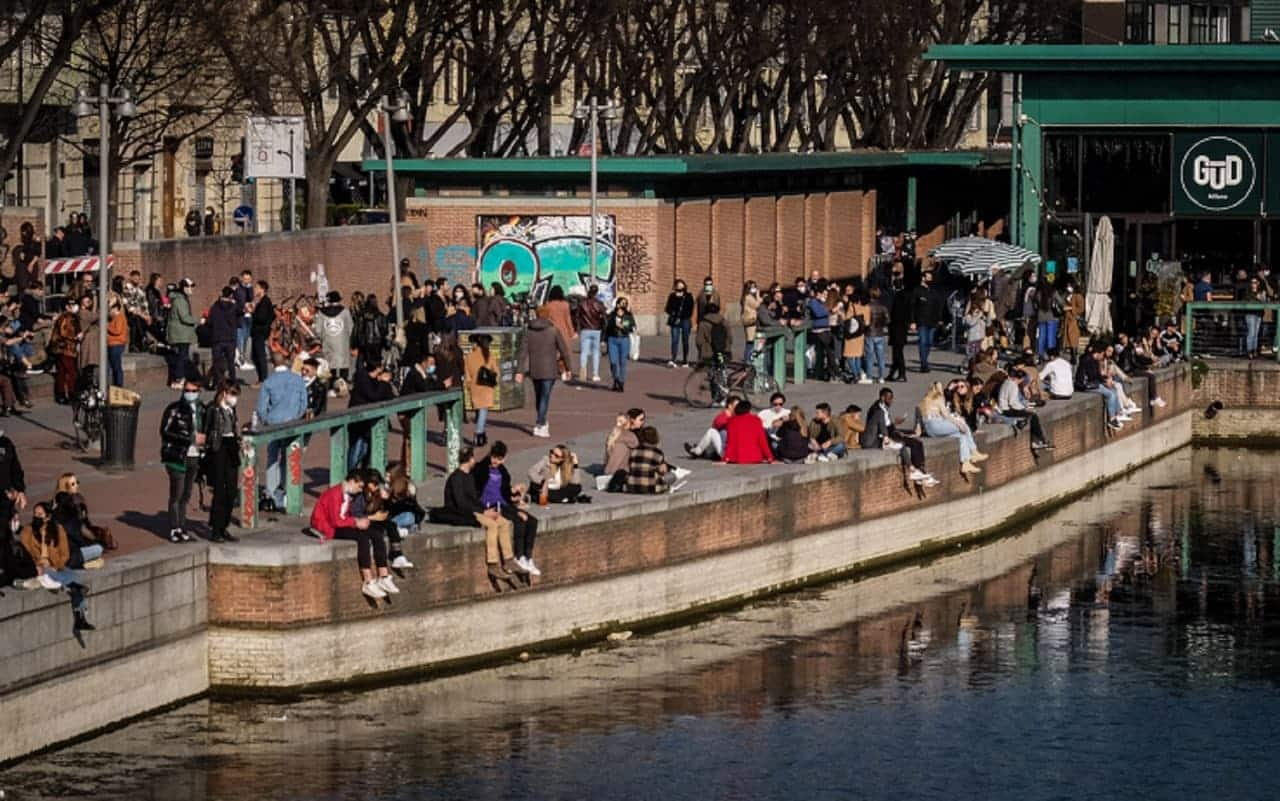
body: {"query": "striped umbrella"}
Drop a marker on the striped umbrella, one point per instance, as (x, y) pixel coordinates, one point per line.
(78, 264)
(976, 256)
(956, 249)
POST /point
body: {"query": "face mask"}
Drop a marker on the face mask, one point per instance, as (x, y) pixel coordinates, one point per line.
(679, 290)
(73, 309)
(431, 369)
(191, 397)
(232, 401)
(708, 288)
(309, 379)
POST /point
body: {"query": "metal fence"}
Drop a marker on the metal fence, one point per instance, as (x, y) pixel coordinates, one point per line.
(1231, 329)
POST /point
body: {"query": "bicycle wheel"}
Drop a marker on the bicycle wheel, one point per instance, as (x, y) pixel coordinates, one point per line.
(697, 388)
(758, 387)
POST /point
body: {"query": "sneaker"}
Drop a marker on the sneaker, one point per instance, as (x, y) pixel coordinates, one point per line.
(175, 535)
(401, 562)
(95, 564)
(311, 532)
(1159, 403)
(893, 445)
(671, 363)
(864, 380)
(811, 458)
(388, 585)
(824, 458)
(542, 431)
(917, 475)
(35, 371)
(48, 582)
(516, 566)
(531, 567)
(1132, 410)
(969, 468)
(930, 481)
(186, 536)
(595, 379)
(1042, 446)
(373, 590)
(1124, 418)
(689, 449)
(402, 531)
(1114, 424)
(979, 457)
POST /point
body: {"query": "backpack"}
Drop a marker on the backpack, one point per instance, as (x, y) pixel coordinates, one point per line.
(719, 337)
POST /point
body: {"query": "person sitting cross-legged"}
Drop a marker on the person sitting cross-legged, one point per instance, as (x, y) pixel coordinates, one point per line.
(648, 472)
(712, 444)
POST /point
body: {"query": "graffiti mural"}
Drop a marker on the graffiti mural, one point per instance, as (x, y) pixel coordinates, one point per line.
(455, 263)
(634, 271)
(530, 254)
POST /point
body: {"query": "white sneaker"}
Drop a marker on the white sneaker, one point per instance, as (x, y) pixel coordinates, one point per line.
(917, 475)
(48, 582)
(811, 458)
(822, 457)
(671, 364)
(1159, 403)
(388, 585)
(531, 567)
(542, 431)
(373, 590)
(595, 379)
(1124, 418)
(930, 481)
(401, 562)
(403, 532)
(864, 380)
(1132, 409)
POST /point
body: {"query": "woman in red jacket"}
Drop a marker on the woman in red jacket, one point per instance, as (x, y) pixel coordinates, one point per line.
(747, 443)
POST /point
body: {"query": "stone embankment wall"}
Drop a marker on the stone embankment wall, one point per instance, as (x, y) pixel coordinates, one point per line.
(1250, 396)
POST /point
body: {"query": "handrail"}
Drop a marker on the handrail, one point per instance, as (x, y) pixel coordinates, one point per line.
(777, 334)
(1188, 328)
(336, 425)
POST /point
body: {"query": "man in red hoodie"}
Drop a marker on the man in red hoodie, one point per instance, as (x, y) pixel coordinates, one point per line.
(747, 442)
(339, 515)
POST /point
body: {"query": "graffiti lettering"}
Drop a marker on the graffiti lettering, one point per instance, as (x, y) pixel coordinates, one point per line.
(529, 255)
(634, 270)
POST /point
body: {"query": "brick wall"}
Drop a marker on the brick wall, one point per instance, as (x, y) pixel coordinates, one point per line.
(815, 233)
(728, 221)
(789, 239)
(844, 241)
(451, 560)
(693, 241)
(760, 230)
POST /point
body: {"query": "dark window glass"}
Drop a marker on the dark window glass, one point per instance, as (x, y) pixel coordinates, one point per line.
(1062, 172)
(1128, 173)
(1139, 22)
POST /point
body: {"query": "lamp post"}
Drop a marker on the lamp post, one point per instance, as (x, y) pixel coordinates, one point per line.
(124, 109)
(394, 109)
(592, 110)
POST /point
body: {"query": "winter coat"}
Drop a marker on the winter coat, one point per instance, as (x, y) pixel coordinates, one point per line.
(334, 325)
(557, 311)
(1071, 321)
(591, 315)
(543, 344)
(178, 427)
(488, 311)
(855, 346)
(481, 396)
(181, 327)
(223, 322)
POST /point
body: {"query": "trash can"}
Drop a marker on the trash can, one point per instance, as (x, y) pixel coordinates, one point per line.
(506, 351)
(119, 435)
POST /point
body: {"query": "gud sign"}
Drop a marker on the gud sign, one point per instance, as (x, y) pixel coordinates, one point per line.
(1217, 174)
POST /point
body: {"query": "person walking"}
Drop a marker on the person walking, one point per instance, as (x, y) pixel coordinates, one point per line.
(335, 327)
(182, 440)
(262, 313)
(222, 439)
(542, 353)
(617, 332)
(589, 321)
(180, 331)
(480, 377)
(283, 399)
(679, 311)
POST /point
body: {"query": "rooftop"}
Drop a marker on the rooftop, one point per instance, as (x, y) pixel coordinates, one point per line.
(1108, 58)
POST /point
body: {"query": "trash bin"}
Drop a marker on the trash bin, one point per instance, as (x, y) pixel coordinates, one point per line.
(119, 435)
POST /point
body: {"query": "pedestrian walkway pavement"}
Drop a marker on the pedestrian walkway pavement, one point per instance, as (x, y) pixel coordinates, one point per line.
(132, 504)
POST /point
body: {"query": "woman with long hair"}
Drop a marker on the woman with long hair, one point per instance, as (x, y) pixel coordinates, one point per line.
(222, 441)
(558, 470)
(940, 421)
(750, 306)
(793, 438)
(480, 376)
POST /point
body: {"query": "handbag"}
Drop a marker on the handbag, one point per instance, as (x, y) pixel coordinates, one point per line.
(486, 377)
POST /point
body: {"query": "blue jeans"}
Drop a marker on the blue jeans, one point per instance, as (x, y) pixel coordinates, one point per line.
(404, 520)
(1252, 325)
(1112, 399)
(277, 452)
(589, 351)
(680, 337)
(1047, 337)
(926, 344)
(115, 359)
(482, 419)
(838, 450)
(242, 336)
(66, 578)
(358, 450)
(619, 355)
(542, 397)
(938, 427)
(875, 355)
(854, 365)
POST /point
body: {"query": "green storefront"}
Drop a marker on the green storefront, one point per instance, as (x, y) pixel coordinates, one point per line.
(1178, 145)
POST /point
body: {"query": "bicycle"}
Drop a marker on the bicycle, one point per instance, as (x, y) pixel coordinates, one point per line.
(711, 382)
(86, 409)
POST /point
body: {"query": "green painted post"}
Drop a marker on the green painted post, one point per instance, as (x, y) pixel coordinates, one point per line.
(337, 454)
(453, 434)
(911, 202)
(378, 444)
(1275, 346)
(801, 345)
(1186, 332)
(418, 445)
(293, 477)
(779, 344)
(248, 480)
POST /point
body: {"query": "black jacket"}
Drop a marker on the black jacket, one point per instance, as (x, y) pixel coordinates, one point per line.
(11, 475)
(415, 382)
(481, 475)
(1088, 373)
(264, 313)
(872, 437)
(461, 501)
(679, 307)
(793, 444)
(178, 427)
(317, 398)
(223, 322)
(928, 307)
(899, 318)
(218, 422)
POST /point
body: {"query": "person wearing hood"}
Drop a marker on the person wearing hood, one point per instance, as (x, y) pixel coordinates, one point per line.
(223, 320)
(180, 332)
(543, 356)
(335, 327)
(715, 338)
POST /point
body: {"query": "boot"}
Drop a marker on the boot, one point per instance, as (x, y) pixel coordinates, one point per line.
(619, 386)
(81, 623)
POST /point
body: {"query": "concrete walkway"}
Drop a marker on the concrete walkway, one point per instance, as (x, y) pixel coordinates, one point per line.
(133, 503)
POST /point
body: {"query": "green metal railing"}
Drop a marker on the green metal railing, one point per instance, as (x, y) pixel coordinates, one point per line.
(1228, 307)
(414, 408)
(775, 338)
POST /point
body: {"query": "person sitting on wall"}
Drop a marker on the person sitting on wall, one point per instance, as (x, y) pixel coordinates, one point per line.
(882, 432)
(647, 471)
(493, 482)
(558, 474)
(826, 440)
(793, 439)
(1056, 376)
(745, 439)
(380, 509)
(621, 442)
(712, 443)
(338, 516)
(1013, 403)
(463, 507)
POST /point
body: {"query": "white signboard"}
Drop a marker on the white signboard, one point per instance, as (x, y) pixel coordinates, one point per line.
(274, 148)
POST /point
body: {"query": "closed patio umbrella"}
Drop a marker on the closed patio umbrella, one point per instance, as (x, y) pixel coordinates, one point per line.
(1097, 301)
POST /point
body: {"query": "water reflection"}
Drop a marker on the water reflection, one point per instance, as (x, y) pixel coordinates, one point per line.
(1125, 645)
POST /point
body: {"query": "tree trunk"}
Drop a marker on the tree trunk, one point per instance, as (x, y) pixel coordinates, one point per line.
(319, 168)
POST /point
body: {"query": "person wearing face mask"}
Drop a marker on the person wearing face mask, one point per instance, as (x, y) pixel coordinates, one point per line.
(222, 439)
(679, 311)
(750, 317)
(317, 392)
(618, 328)
(64, 346)
(480, 377)
(46, 543)
(180, 332)
(182, 440)
(707, 297)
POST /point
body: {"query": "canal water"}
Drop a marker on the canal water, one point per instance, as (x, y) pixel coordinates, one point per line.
(1125, 646)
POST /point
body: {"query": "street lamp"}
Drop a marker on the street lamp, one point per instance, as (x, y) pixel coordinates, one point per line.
(394, 109)
(124, 109)
(591, 110)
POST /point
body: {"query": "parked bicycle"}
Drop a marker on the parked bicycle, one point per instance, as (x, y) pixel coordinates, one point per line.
(710, 383)
(86, 408)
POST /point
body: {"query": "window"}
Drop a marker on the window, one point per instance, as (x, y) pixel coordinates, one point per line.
(1139, 22)
(1149, 22)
